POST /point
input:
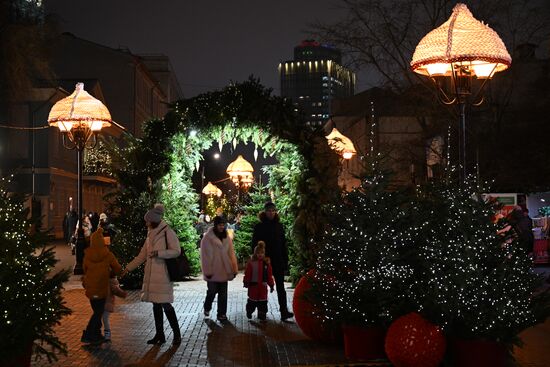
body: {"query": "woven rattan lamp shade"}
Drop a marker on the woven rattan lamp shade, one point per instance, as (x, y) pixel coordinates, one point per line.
(80, 108)
(239, 167)
(462, 38)
(211, 189)
(341, 143)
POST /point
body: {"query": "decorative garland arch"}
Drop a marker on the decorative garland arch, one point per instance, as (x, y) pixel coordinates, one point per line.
(149, 171)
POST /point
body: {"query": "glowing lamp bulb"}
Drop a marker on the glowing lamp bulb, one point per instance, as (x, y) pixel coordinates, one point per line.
(96, 125)
(437, 69)
(64, 126)
(484, 71)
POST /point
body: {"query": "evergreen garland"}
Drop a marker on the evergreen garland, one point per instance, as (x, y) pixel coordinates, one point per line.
(30, 297)
(157, 167)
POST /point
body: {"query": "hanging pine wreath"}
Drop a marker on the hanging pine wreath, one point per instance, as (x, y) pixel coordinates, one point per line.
(246, 107)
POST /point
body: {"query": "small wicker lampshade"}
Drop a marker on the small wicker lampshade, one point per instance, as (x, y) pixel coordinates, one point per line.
(461, 39)
(341, 143)
(241, 170)
(80, 109)
(211, 189)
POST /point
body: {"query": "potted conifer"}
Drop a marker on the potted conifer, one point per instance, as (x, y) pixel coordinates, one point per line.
(31, 303)
(471, 278)
(359, 258)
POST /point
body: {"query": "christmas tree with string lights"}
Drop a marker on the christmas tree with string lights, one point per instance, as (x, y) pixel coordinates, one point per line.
(471, 277)
(361, 275)
(433, 249)
(31, 303)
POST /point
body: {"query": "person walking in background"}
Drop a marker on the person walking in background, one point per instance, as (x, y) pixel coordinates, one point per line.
(258, 275)
(272, 233)
(97, 266)
(108, 231)
(523, 225)
(219, 265)
(69, 225)
(86, 228)
(161, 243)
(94, 220)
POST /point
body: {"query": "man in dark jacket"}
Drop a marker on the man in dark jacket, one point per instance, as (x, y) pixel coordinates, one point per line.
(271, 231)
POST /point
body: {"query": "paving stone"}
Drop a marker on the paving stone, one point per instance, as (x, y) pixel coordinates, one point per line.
(205, 342)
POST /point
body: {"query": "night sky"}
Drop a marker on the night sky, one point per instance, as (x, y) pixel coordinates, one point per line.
(209, 42)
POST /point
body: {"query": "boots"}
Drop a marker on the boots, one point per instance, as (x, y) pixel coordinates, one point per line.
(159, 337)
(173, 320)
(286, 314)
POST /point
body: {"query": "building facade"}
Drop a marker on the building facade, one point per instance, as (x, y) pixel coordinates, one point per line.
(382, 126)
(314, 78)
(41, 166)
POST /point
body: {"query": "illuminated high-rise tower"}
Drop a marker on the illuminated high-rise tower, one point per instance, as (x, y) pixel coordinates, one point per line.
(314, 78)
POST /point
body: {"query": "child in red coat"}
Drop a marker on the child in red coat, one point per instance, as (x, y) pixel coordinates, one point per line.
(258, 275)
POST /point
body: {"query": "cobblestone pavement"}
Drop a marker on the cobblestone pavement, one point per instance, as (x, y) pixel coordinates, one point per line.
(208, 343)
(205, 342)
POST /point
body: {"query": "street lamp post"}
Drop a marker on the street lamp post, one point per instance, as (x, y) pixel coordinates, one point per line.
(455, 55)
(79, 117)
(215, 156)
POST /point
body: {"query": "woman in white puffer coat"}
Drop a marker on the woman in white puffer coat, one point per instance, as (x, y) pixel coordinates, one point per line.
(219, 265)
(161, 243)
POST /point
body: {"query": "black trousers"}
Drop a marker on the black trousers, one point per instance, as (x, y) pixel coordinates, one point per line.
(219, 288)
(170, 315)
(93, 330)
(279, 276)
(252, 305)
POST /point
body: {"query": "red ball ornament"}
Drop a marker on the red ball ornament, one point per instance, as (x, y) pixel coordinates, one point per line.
(412, 341)
(304, 312)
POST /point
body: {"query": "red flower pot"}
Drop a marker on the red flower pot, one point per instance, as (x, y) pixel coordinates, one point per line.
(303, 309)
(478, 353)
(364, 343)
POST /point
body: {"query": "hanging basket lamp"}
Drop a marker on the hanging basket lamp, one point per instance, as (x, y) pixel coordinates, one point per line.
(240, 171)
(461, 42)
(341, 144)
(79, 116)
(211, 189)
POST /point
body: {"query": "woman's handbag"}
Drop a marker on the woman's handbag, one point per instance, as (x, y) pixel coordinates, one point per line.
(178, 267)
